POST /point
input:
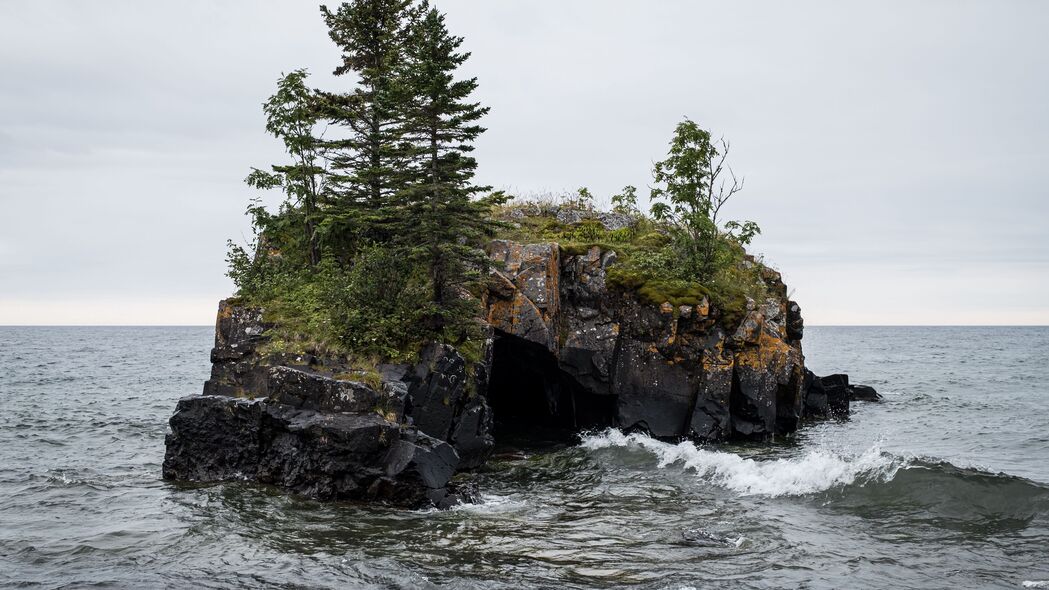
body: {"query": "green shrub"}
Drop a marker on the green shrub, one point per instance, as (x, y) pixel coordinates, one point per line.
(379, 305)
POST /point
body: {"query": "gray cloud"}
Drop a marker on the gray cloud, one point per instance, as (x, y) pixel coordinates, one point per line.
(894, 152)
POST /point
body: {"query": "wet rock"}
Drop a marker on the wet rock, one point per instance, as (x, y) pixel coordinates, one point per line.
(826, 397)
(652, 395)
(472, 434)
(436, 388)
(213, 438)
(329, 456)
(864, 393)
(836, 387)
(444, 402)
(322, 455)
(422, 460)
(296, 422)
(712, 417)
(815, 399)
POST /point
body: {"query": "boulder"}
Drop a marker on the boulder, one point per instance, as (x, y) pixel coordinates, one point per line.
(213, 438)
(863, 393)
(324, 455)
(836, 388)
(815, 399)
(826, 397)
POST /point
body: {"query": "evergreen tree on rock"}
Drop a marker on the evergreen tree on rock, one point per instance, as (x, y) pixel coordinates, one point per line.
(368, 165)
(442, 224)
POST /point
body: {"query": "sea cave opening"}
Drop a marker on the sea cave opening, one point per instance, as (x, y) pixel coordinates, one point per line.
(537, 404)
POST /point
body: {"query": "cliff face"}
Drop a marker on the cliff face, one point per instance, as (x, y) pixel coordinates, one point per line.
(671, 371)
(566, 351)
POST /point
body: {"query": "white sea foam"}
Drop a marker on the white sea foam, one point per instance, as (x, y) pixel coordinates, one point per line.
(491, 504)
(815, 471)
(1036, 584)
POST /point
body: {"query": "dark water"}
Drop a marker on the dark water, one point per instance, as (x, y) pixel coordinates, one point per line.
(946, 484)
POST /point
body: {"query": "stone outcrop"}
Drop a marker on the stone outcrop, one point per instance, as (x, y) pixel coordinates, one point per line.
(826, 397)
(673, 371)
(326, 455)
(444, 401)
(566, 351)
(304, 423)
(863, 393)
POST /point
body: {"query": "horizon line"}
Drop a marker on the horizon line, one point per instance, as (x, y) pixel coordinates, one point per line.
(807, 325)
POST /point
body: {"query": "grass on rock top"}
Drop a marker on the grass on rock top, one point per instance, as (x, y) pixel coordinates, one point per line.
(309, 313)
(646, 264)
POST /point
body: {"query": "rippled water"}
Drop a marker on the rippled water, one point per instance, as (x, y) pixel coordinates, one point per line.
(945, 484)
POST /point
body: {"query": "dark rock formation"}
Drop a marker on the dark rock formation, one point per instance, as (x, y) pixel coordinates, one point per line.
(567, 352)
(830, 396)
(671, 371)
(826, 397)
(326, 455)
(863, 393)
(235, 367)
(445, 403)
(299, 422)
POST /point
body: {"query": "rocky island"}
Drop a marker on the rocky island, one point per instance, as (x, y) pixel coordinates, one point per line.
(392, 317)
(565, 349)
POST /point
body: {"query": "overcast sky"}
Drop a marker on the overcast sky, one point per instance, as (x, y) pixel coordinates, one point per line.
(896, 154)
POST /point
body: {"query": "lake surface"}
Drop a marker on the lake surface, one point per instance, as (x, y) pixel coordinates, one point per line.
(945, 484)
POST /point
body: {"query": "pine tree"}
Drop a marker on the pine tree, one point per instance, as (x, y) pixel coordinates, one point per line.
(368, 165)
(442, 224)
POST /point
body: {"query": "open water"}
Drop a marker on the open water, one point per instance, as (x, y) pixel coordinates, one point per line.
(943, 485)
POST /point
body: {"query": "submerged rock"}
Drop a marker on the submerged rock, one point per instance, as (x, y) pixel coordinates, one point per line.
(863, 393)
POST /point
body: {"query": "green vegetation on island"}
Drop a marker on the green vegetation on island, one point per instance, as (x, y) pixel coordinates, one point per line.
(378, 244)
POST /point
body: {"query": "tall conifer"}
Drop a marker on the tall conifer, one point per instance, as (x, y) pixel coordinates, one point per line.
(442, 225)
(368, 164)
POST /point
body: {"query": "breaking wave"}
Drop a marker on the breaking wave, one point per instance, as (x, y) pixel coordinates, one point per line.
(816, 471)
(821, 470)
